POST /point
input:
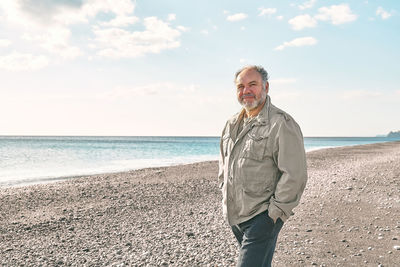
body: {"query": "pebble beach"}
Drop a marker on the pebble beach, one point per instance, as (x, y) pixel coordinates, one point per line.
(349, 215)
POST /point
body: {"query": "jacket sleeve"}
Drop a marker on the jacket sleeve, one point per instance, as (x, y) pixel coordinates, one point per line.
(289, 155)
(221, 162)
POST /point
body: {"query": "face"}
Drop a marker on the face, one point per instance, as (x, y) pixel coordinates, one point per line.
(250, 91)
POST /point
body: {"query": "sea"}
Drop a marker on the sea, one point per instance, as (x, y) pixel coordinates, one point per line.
(41, 159)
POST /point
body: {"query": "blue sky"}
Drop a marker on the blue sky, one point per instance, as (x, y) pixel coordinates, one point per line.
(147, 67)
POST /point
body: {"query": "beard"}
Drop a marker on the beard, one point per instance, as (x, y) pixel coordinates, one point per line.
(254, 104)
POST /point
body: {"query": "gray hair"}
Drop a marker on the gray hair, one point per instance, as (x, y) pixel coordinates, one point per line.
(259, 69)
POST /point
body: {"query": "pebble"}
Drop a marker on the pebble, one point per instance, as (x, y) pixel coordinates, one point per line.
(396, 247)
(189, 234)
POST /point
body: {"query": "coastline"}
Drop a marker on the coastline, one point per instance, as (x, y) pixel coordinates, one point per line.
(52, 178)
(26, 161)
(170, 216)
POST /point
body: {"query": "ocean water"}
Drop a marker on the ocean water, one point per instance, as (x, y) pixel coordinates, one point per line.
(36, 159)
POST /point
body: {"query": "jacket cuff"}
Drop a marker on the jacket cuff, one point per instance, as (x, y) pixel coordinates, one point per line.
(274, 212)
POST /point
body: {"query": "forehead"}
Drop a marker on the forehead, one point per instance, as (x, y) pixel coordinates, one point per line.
(248, 75)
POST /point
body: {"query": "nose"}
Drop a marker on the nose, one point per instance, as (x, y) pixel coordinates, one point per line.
(246, 90)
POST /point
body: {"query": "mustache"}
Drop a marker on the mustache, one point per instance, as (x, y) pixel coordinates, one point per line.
(247, 95)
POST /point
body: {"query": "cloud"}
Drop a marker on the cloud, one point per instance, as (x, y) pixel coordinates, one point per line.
(4, 42)
(20, 62)
(237, 17)
(303, 41)
(383, 13)
(307, 4)
(267, 11)
(204, 32)
(55, 40)
(183, 28)
(171, 17)
(121, 21)
(336, 14)
(120, 43)
(47, 22)
(279, 17)
(30, 13)
(46, 13)
(89, 9)
(303, 21)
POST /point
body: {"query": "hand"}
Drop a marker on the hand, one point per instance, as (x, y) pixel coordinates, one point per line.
(274, 220)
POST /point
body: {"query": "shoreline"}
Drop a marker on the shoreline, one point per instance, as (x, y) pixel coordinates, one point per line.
(171, 216)
(53, 179)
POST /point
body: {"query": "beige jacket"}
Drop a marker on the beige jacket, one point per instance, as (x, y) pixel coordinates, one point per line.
(264, 168)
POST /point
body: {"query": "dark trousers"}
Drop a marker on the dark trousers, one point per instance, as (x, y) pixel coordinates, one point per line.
(257, 239)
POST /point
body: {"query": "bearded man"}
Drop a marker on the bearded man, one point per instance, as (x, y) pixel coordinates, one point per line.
(262, 169)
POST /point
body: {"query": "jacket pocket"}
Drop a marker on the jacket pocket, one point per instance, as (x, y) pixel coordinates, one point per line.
(255, 167)
(253, 199)
(255, 147)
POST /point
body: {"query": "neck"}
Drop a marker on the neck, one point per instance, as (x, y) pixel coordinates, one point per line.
(254, 112)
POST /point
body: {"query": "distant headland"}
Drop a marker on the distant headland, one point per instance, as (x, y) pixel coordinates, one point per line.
(394, 134)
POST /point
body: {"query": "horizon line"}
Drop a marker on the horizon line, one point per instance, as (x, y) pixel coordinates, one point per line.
(217, 136)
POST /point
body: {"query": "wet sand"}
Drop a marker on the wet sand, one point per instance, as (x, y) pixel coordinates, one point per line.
(349, 216)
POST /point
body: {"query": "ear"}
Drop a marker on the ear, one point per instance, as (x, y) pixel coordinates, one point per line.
(266, 87)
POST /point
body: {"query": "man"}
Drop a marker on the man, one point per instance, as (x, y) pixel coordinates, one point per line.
(262, 170)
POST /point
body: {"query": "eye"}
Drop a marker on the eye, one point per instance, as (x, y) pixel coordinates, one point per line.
(240, 87)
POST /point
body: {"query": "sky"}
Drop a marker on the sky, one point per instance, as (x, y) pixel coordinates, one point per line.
(166, 67)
